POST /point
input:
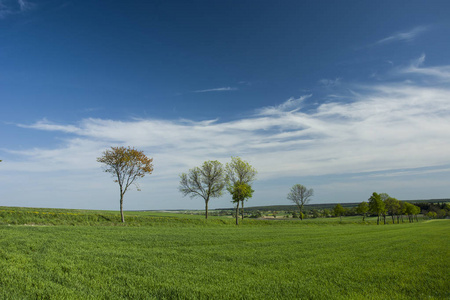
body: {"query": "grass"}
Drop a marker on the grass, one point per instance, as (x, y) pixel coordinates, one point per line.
(186, 258)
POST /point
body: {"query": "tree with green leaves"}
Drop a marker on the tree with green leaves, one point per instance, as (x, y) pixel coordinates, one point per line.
(338, 211)
(392, 207)
(300, 195)
(376, 206)
(126, 165)
(240, 172)
(240, 192)
(362, 209)
(206, 182)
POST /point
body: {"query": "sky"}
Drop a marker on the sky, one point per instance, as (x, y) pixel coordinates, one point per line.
(345, 97)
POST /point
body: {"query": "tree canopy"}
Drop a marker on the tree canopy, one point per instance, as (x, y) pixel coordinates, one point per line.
(126, 165)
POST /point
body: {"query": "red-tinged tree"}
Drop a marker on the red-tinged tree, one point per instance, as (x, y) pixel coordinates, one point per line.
(126, 166)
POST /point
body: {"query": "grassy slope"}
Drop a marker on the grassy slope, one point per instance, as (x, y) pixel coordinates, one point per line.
(308, 260)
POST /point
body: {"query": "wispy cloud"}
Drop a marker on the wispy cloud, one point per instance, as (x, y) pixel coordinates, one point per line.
(221, 89)
(12, 7)
(388, 128)
(441, 73)
(290, 105)
(330, 83)
(403, 36)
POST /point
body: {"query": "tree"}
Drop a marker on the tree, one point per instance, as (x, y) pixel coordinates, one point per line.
(376, 205)
(239, 171)
(392, 207)
(300, 195)
(206, 181)
(338, 211)
(240, 192)
(362, 209)
(126, 165)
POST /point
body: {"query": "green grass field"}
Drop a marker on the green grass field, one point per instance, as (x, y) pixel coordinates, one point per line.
(188, 258)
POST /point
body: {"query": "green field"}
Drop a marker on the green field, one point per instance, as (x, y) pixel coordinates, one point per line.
(189, 258)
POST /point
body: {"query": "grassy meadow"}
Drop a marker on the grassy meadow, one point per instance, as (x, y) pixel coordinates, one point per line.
(173, 256)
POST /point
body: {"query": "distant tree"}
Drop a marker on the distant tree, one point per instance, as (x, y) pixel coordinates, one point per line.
(362, 209)
(392, 207)
(376, 206)
(126, 165)
(206, 182)
(300, 195)
(412, 211)
(315, 213)
(431, 215)
(338, 211)
(240, 192)
(239, 171)
(326, 212)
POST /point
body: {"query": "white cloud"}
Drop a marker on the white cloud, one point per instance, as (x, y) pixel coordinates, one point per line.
(383, 127)
(221, 89)
(404, 36)
(442, 73)
(290, 105)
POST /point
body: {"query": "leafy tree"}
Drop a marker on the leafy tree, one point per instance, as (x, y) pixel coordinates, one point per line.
(300, 195)
(412, 211)
(239, 171)
(362, 209)
(431, 215)
(126, 165)
(338, 211)
(240, 192)
(392, 207)
(206, 181)
(376, 206)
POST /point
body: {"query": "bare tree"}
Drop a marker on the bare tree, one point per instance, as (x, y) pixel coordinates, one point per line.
(300, 195)
(206, 181)
(126, 165)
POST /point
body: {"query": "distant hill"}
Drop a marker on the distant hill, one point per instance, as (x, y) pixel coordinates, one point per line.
(326, 205)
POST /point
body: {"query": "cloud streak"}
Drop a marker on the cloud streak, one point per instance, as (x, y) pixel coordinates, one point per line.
(221, 89)
(403, 36)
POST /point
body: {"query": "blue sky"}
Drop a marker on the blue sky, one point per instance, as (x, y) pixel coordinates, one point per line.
(345, 97)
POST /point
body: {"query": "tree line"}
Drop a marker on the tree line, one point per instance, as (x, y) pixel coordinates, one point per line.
(210, 180)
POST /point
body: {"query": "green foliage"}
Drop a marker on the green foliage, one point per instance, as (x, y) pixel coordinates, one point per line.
(338, 211)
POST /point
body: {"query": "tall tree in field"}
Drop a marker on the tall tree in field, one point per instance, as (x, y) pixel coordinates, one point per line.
(339, 211)
(239, 171)
(376, 206)
(206, 181)
(300, 195)
(240, 192)
(362, 209)
(126, 165)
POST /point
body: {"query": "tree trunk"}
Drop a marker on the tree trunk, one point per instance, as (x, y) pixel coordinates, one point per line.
(384, 219)
(206, 209)
(301, 213)
(364, 217)
(242, 209)
(121, 208)
(393, 220)
(237, 213)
